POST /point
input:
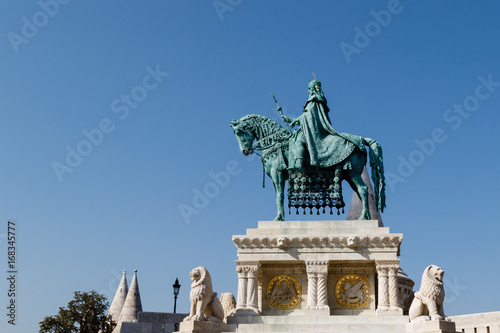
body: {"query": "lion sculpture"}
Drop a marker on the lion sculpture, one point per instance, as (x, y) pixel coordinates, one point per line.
(204, 302)
(228, 303)
(428, 301)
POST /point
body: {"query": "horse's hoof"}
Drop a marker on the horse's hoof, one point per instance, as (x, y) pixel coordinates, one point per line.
(364, 217)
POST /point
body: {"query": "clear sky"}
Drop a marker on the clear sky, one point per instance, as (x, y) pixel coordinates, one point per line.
(114, 114)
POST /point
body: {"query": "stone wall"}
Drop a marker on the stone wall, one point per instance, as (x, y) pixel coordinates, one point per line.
(488, 322)
(153, 322)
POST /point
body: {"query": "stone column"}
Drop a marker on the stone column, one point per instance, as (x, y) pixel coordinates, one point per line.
(241, 301)
(252, 288)
(394, 288)
(261, 294)
(388, 288)
(248, 288)
(317, 296)
(383, 289)
(322, 291)
(311, 291)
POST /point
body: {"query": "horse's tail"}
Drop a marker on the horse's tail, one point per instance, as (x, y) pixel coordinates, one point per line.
(377, 165)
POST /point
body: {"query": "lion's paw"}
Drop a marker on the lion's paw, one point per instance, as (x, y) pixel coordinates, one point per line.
(436, 317)
(214, 319)
(422, 318)
(198, 317)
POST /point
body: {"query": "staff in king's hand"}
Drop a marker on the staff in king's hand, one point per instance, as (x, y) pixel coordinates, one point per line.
(281, 113)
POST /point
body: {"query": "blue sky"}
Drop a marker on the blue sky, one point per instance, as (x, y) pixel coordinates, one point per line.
(154, 84)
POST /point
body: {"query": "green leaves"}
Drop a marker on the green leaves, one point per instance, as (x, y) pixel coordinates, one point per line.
(86, 313)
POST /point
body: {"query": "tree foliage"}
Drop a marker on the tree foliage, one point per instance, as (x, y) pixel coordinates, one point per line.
(86, 313)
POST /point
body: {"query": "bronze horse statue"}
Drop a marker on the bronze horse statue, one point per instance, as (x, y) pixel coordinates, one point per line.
(272, 140)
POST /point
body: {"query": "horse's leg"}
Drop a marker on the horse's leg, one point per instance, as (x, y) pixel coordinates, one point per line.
(354, 179)
(362, 191)
(353, 176)
(278, 177)
(279, 185)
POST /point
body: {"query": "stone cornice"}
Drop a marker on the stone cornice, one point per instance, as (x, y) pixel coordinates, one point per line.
(385, 241)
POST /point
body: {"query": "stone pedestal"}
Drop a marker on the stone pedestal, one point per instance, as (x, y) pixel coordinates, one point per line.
(205, 327)
(320, 323)
(431, 326)
(318, 268)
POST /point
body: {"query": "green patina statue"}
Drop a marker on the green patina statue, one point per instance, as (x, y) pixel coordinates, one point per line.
(316, 136)
(314, 158)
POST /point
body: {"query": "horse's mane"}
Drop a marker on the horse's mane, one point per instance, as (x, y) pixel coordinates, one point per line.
(264, 128)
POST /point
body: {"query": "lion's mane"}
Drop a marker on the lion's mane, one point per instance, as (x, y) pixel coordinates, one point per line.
(201, 288)
(430, 286)
(228, 304)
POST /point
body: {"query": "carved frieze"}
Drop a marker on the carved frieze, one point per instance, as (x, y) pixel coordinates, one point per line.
(390, 241)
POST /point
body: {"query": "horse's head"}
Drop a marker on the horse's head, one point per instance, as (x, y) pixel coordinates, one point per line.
(245, 135)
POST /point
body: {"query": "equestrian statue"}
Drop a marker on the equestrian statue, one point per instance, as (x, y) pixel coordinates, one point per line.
(314, 158)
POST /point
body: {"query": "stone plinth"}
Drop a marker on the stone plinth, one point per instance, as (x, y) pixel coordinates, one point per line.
(319, 268)
(205, 327)
(312, 324)
(152, 322)
(431, 326)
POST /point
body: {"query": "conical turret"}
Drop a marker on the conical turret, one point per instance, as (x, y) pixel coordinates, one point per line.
(121, 293)
(132, 303)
